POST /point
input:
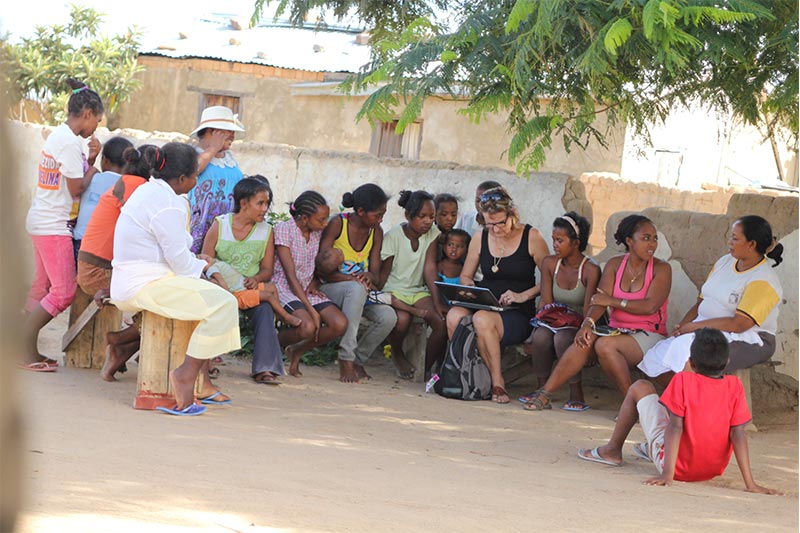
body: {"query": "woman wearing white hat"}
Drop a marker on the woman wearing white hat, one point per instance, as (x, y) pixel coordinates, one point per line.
(219, 171)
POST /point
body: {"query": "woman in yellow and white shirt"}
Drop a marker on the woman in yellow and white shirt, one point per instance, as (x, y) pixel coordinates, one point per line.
(739, 298)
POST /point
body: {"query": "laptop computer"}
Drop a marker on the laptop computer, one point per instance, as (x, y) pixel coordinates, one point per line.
(471, 297)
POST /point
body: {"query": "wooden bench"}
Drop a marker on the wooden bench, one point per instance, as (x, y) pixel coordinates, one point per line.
(84, 343)
(163, 348)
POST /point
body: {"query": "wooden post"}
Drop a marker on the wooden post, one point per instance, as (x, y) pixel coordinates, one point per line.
(744, 377)
(414, 347)
(163, 348)
(88, 349)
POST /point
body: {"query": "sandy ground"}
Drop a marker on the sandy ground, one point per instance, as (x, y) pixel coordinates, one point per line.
(315, 455)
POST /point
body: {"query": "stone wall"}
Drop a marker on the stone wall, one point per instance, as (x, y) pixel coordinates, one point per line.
(691, 240)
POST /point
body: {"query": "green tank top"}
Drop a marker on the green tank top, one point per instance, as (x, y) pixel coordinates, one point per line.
(245, 255)
(572, 298)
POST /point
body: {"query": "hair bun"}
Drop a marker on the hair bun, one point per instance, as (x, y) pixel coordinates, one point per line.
(347, 200)
(404, 197)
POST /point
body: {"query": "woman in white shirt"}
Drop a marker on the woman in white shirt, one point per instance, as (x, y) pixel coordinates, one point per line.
(740, 298)
(154, 270)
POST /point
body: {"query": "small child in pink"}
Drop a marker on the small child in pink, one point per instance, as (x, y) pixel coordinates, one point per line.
(692, 430)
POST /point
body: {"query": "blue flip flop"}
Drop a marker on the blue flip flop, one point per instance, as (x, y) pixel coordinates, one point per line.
(191, 410)
(209, 400)
(575, 405)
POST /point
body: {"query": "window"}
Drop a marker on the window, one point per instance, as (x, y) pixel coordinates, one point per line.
(231, 102)
(386, 143)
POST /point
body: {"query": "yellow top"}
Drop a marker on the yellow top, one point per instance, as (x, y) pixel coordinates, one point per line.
(354, 261)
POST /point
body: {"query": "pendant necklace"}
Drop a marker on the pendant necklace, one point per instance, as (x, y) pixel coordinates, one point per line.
(635, 274)
(496, 260)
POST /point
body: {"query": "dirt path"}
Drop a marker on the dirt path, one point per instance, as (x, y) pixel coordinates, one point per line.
(315, 455)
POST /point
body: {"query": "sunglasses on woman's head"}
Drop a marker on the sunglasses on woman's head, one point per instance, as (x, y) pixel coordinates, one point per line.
(491, 197)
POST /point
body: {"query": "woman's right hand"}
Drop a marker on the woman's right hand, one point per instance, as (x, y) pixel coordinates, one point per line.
(217, 140)
(316, 319)
(585, 336)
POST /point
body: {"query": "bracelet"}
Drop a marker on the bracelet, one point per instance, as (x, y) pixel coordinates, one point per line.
(591, 321)
(623, 303)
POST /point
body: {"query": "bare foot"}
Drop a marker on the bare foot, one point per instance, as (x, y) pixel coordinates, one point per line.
(293, 354)
(347, 372)
(361, 372)
(405, 370)
(116, 357)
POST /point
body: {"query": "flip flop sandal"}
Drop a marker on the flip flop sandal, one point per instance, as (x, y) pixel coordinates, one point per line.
(213, 373)
(539, 402)
(640, 451)
(192, 410)
(526, 398)
(575, 405)
(595, 457)
(497, 392)
(39, 366)
(266, 379)
(210, 400)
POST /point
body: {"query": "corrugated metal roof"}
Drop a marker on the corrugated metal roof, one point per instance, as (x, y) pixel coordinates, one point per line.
(271, 45)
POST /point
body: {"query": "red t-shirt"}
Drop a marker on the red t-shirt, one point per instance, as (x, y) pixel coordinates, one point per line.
(709, 408)
(98, 239)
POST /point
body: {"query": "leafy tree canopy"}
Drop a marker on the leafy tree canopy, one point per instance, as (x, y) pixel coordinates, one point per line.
(36, 68)
(555, 66)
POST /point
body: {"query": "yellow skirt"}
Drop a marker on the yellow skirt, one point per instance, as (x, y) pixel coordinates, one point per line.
(183, 298)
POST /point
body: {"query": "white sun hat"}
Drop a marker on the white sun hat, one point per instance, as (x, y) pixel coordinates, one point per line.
(220, 118)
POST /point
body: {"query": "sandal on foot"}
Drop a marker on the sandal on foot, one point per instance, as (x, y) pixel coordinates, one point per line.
(595, 457)
(192, 409)
(497, 393)
(38, 366)
(213, 373)
(539, 402)
(640, 451)
(407, 375)
(575, 405)
(526, 397)
(265, 378)
(212, 400)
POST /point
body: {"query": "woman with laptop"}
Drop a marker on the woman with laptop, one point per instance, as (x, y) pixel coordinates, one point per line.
(508, 253)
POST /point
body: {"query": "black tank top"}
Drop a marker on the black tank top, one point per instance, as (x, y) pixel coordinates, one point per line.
(517, 272)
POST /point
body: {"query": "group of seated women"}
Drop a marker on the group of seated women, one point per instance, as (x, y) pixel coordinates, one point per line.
(340, 277)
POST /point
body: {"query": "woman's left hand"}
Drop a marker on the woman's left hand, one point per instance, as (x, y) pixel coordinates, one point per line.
(511, 297)
(250, 283)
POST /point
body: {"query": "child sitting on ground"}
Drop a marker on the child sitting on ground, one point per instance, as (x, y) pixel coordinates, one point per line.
(455, 249)
(231, 280)
(693, 428)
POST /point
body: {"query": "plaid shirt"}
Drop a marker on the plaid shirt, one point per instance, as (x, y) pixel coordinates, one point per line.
(303, 254)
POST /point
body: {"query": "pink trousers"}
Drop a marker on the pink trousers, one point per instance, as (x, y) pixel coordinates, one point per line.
(54, 283)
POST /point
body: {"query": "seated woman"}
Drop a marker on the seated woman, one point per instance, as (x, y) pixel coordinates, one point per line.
(97, 251)
(155, 271)
(244, 240)
(359, 237)
(508, 253)
(635, 287)
(297, 246)
(739, 298)
(403, 254)
(569, 278)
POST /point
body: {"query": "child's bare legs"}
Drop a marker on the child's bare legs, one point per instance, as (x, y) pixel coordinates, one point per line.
(399, 305)
(300, 339)
(404, 368)
(270, 295)
(120, 346)
(628, 415)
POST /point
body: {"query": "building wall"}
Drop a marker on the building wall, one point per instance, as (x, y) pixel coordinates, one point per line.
(690, 240)
(273, 114)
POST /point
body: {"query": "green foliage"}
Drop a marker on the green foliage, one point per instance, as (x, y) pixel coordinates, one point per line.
(37, 67)
(275, 217)
(554, 68)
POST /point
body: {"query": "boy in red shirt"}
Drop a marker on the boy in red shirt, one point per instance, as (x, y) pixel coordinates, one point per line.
(692, 430)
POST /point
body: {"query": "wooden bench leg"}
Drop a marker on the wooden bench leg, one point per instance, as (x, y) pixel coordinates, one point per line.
(414, 347)
(163, 348)
(744, 377)
(88, 348)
